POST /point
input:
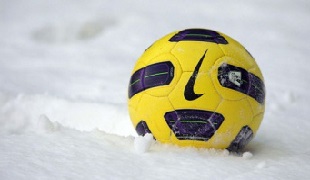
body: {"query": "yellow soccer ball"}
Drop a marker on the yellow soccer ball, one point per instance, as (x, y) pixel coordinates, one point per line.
(198, 88)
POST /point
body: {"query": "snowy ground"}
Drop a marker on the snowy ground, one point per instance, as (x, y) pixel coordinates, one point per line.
(64, 70)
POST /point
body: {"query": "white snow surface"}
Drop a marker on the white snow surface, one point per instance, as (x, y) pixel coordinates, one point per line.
(64, 71)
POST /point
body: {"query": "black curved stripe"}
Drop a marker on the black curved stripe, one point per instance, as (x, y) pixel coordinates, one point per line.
(151, 76)
(189, 92)
(199, 35)
(239, 79)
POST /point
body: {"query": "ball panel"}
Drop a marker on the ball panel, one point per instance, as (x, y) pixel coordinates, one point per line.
(239, 79)
(257, 107)
(189, 53)
(244, 136)
(161, 46)
(151, 109)
(139, 65)
(155, 75)
(239, 112)
(134, 115)
(133, 102)
(176, 73)
(197, 34)
(257, 72)
(142, 128)
(237, 115)
(235, 50)
(190, 124)
(225, 92)
(208, 100)
(257, 120)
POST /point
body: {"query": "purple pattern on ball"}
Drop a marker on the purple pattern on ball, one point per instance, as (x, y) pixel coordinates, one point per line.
(190, 124)
(244, 82)
(151, 76)
(199, 35)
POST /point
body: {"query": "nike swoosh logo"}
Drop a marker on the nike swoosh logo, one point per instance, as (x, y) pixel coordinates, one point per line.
(189, 92)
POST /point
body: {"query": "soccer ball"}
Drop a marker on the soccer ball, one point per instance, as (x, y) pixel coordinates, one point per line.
(198, 88)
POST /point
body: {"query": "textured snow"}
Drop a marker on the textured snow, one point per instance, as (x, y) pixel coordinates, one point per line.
(247, 155)
(142, 144)
(64, 71)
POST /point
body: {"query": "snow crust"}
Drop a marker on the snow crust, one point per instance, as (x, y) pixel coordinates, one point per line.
(64, 71)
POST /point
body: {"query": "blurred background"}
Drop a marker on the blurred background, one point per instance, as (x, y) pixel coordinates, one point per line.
(85, 50)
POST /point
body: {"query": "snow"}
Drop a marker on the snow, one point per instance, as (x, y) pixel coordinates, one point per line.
(247, 155)
(142, 144)
(64, 71)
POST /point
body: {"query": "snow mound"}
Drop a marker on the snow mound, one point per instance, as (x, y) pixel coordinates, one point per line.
(247, 155)
(45, 125)
(143, 143)
(38, 113)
